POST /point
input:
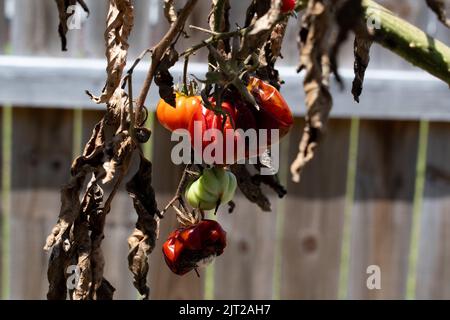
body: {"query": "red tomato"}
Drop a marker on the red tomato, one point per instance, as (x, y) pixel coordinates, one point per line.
(187, 248)
(178, 118)
(203, 123)
(274, 112)
(287, 6)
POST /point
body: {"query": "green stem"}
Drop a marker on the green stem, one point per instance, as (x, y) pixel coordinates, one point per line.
(408, 41)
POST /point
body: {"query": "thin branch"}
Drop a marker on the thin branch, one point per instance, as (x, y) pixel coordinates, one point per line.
(159, 50)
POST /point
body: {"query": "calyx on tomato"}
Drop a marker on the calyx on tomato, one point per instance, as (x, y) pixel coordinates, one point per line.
(180, 116)
(214, 187)
(274, 111)
(191, 247)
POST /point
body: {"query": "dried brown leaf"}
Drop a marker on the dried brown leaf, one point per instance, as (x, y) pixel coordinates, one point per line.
(163, 78)
(251, 190)
(362, 46)
(314, 50)
(438, 7)
(142, 241)
(119, 24)
(64, 15)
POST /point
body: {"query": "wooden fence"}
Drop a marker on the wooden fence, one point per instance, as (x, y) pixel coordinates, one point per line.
(378, 192)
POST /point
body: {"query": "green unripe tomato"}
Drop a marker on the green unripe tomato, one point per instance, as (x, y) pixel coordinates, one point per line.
(215, 186)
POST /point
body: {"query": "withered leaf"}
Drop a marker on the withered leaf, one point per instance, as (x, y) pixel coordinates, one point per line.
(251, 190)
(64, 15)
(142, 241)
(314, 58)
(438, 7)
(163, 78)
(362, 46)
(119, 24)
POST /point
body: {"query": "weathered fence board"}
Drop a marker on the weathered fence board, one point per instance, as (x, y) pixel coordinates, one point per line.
(245, 270)
(382, 212)
(2, 209)
(3, 26)
(163, 283)
(433, 277)
(313, 218)
(41, 157)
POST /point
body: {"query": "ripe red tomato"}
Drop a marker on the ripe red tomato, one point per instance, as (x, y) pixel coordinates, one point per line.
(191, 247)
(274, 112)
(203, 122)
(287, 6)
(178, 118)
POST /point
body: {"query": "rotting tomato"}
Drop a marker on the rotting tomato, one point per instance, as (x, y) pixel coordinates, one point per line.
(194, 246)
(214, 187)
(180, 116)
(274, 111)
(287, 6)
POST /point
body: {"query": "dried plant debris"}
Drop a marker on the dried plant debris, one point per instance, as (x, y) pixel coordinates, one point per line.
(314, 58)
(163, 78)
(142, 241)
(362, 46)
(65, 13)
(120, 21)
(251, 190)
(347, 15)
(438, 7)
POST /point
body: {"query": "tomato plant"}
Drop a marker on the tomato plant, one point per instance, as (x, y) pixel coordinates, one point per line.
(180, 116)
(214, 187)
(194, 246)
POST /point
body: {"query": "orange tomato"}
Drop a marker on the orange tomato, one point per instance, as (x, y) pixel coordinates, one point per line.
(180, 116)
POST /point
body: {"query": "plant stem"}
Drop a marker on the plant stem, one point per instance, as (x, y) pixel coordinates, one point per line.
(408, 41)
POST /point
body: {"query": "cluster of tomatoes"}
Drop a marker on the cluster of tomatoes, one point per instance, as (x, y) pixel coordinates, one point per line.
(190, 247)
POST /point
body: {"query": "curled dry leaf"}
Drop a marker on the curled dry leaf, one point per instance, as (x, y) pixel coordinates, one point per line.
(314, 49)
(251, 190)
(142, 241)
(347, 17)
(65, 13)
(438, 7)
(260, 31)
(120, 150)
(163, 78)
(362, 46)
(119, 24)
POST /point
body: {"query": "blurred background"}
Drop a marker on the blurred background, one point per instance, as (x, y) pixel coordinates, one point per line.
(378, 192)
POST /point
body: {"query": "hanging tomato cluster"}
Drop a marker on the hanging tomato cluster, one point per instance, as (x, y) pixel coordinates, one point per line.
(191, 114)
(190, 247)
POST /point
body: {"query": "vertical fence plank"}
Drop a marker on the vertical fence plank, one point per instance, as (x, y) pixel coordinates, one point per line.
(141, 35)
(245, 270)
(2, 195)
(94, 29)
(313, 218)
(382, 213)
(3, 26)
(41, 156)
(163, 283)
(433, 278)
